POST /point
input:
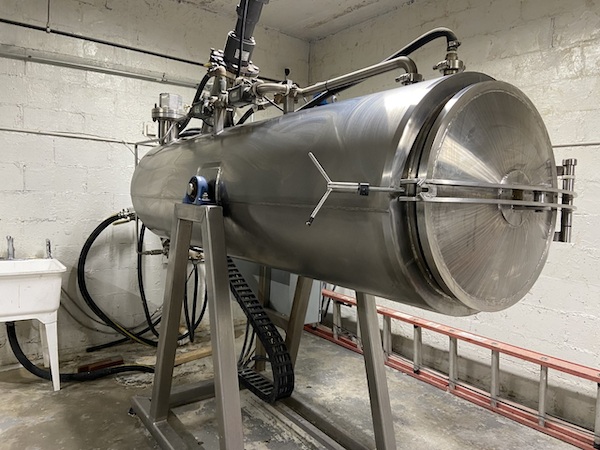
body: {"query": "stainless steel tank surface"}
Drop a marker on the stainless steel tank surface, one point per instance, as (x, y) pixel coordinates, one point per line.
(462, 254)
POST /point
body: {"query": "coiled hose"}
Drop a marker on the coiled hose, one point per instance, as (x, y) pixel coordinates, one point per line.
(86, 294)
(129, 335)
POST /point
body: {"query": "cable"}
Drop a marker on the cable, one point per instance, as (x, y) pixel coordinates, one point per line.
(324, 314)
(85, 313)
(130, 334)
(422, 40)
(140, 277)
(246, 116)
(244, 18)
(186, 310)
(184, 123)
(195, 302)
(89, 316)
(84, 325)
(273, 103)
(99, 41)
(190, 132)
(64, 377)
(85, 293)
(246, 334)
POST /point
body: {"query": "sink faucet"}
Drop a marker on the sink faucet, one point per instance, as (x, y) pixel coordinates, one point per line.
(11, 247)
(48, 249)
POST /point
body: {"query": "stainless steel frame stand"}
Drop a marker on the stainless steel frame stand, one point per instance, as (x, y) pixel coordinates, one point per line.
(381, 410)
(295, 326)
(154, 411)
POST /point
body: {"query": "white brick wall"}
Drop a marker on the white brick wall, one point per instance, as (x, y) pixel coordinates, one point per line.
(549, 49)
(60, 188)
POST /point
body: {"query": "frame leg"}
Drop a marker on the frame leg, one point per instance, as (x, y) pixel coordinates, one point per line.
(154, 411)
(297, 316)
(227, 395)
(169, 330)
(383, 425)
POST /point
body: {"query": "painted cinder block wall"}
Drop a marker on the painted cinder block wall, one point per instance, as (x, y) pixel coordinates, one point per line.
(549, 49)
(61, 189)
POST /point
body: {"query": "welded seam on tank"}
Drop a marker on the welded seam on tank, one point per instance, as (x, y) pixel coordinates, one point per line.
(286, 205)
(296, 205)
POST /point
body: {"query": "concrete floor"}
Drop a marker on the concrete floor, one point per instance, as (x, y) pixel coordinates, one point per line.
(93, 415)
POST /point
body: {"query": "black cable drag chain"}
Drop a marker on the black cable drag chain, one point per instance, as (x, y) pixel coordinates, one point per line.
(278, 356)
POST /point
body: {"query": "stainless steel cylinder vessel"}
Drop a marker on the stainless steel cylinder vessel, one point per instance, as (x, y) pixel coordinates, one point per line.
(458, 138)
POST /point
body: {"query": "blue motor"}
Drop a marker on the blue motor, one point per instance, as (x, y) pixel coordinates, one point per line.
(197, 191)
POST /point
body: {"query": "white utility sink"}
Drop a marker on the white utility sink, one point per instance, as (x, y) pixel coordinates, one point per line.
(29, 286)
(30, 289)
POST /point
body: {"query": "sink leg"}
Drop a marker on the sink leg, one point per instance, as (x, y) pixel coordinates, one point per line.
(44, 345)
(52, 339)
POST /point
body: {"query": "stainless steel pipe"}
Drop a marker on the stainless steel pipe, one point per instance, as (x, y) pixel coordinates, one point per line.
(454, 258)
(403, 62)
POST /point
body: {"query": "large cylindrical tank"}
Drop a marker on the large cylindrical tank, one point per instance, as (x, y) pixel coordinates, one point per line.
(456, 258)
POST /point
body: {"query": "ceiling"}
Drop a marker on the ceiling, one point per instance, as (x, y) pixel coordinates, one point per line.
(309, 19)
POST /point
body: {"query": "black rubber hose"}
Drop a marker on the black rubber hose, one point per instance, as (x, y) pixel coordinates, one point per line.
(129, 335)
(140, 276)
(195, 302)
(186, 313)
(246, 116)
(64, 377)
(85, 293)
(190, 132)
(145, 330)
(422, 40)
(184, 123)
(436, 33)
(246, 335)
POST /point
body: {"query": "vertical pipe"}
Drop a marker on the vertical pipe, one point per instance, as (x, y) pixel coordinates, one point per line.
(543, 394)
(417, 348)
(387, 336)
(288, 100)
(495, 389)
(453, 363)
(337, 318)
(597, 424)
(568, 184)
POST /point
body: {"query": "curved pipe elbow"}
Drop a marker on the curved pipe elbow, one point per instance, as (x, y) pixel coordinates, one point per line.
(261, 89)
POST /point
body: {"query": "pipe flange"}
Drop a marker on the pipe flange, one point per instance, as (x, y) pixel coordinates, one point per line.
(409, 78)
(167, 113)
